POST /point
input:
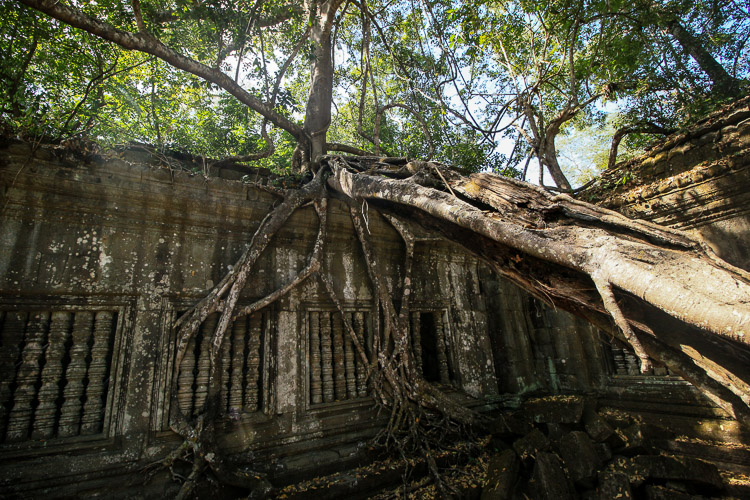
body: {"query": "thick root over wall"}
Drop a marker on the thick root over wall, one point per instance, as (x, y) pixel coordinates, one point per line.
(660, 290)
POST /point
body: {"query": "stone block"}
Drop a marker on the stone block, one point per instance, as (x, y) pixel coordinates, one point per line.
(597, 427)
(509, 426)
(604, 452)
(555, 432)
(614, 485)
(629, 441)
(700, 474)
(548, 481)
(581, 458)
(555, 409)
(502, 474)
(656, 492)
(531, 444)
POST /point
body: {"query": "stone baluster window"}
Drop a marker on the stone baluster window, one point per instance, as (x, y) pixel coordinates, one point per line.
(54, 373)
(431, 346)
(623, 361)
(336, 371)
(242, 366)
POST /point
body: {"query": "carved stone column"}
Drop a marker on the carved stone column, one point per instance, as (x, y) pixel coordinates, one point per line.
(96, 391)
(239, 332)
(326, 356)
(441, 350)
(14, 325)
(70, 417)
(416, 338)
(339, 370)
(359, 329)
(351, 370)
(316, 384)
(226, 367)
(46, 412)
(19, 425)
(204, 361)
(620, 367)
(186, 379)
(252, 382)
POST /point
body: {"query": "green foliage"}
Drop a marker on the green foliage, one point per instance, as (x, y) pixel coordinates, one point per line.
(467, 77)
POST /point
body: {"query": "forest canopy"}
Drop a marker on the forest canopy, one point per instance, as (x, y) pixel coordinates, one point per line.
(485, 85)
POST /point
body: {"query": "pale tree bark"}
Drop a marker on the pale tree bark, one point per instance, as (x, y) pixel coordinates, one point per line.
(318, 111)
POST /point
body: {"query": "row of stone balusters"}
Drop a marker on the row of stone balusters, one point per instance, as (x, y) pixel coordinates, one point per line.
(241, 367)
(626, 363)
(54, 373)
(336, 369)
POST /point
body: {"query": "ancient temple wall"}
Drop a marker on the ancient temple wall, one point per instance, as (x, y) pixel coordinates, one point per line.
(99, 257)
(695, 180)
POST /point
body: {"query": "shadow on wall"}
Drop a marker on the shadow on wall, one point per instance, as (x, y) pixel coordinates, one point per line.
(729, 239)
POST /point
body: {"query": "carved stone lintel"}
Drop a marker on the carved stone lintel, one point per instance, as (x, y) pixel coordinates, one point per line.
(316, 384)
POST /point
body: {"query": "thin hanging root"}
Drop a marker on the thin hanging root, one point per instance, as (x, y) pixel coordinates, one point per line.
(312, 267)
(358, 345)
(232, 314)
(409, 241)
(197, 437)
(610, 303)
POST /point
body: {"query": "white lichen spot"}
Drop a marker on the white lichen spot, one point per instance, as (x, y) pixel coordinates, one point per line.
(104, 259)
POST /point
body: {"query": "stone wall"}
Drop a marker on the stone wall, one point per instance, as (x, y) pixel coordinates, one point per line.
(695, 180)
(99, 256)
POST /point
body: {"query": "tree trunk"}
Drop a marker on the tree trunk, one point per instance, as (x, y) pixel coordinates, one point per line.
(319, 102)
(548, 153)
(723, 82)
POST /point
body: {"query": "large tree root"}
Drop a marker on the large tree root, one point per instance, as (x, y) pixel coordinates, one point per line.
(583, 259)
(199, 431)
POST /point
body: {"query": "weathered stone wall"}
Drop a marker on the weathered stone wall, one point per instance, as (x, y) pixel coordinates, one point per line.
(695, 180)
(98, 258)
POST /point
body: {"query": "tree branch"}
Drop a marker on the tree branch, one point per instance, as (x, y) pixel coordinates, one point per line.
(150, 45)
